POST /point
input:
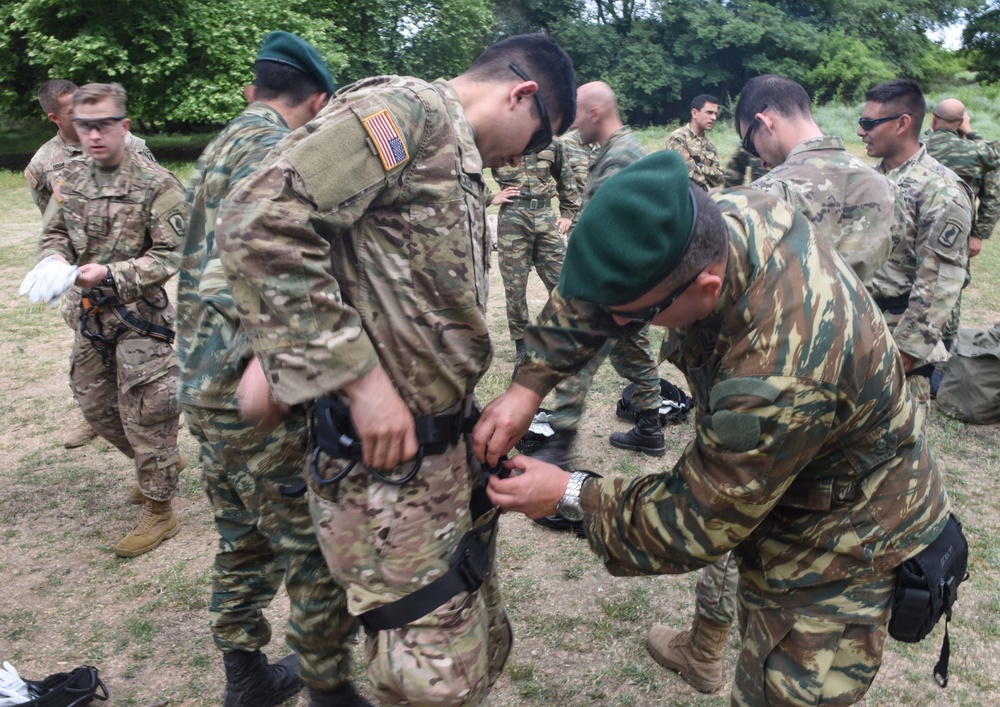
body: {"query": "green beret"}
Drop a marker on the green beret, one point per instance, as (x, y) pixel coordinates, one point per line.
(632, 233)
(291, 49)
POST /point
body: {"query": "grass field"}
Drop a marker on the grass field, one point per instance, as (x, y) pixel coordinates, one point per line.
(66, 600)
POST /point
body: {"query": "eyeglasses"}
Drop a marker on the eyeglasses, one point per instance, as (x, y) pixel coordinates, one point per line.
(101, 125)
(647, 315)
(541, 138)
(868, 124)
(748, 136)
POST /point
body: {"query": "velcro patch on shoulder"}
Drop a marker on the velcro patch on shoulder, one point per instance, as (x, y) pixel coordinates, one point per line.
(952, 231)
(752, 387)
(57, 191)
(737, 431)
(385, 135)
(32, 180)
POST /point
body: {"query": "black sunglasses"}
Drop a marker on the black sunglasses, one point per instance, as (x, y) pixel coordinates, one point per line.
(748, 136)
(647, 314)
(541, 138)
(871, 123)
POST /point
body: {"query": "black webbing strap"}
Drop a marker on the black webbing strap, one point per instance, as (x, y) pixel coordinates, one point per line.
(140, 326)
(91, 304)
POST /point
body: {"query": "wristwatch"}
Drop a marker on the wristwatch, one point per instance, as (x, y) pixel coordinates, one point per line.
(569, 505)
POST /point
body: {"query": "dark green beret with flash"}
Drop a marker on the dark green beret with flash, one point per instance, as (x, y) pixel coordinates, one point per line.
(632, 233)
(291, 49)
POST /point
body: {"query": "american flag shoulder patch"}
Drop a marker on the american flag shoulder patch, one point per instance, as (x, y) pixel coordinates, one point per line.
(389, 145)
(32, 180)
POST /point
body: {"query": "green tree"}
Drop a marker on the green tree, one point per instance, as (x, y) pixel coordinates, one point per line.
(982, 39)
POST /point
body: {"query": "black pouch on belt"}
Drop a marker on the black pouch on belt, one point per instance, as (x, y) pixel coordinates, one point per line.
(926, 590)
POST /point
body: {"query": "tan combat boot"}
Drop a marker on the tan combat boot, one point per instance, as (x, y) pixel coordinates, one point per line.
(156, 524)
(79, 435)
(135, 496)
(696, 653)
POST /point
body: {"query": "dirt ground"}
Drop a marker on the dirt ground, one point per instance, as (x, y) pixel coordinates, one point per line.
(66, 600)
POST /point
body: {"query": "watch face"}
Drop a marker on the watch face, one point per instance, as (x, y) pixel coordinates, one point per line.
(570, 512)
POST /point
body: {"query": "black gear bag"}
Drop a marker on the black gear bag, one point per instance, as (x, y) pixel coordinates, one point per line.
(675, 406)
(74, 689)
(926, 589)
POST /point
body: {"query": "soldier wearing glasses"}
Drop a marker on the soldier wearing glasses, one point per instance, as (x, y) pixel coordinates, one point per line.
(358, 258)
(809, 460)
(120, 217)
(919, 285)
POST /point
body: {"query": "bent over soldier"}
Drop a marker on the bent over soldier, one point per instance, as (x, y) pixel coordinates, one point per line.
(357, 256)
(251, 471)
(120, 217)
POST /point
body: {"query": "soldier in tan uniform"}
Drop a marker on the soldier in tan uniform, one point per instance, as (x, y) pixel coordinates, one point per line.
(44, 171)
(120, 218)
(699, 153)
(358, 259)
(918, 286)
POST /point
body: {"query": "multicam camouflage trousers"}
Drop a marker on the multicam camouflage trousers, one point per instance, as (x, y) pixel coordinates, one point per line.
(791, 659)
(633, 361)
(132, 403)
(527, 238)
(266, 537)
(384, 542)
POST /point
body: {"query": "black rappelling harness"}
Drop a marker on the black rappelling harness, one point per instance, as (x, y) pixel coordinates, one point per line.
(469, 563)
(104, 342)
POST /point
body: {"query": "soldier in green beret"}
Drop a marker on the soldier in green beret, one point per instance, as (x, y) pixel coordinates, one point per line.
(805, 429)
(266, 536)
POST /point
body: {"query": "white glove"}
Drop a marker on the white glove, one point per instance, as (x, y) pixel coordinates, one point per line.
(47, 281)
(13, 690)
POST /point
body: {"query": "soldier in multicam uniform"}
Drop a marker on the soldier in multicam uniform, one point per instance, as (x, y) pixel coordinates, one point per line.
(121, 217)
(952, 142)
(598, 121)
(805, 430)
(849, 204)
(265, 531)
(918, 286)
(43, 173)
(358, 259)
(690, 141)
(737, 167)
(528, 231)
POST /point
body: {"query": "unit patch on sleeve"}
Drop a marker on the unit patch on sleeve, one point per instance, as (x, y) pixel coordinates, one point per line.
(383, 132)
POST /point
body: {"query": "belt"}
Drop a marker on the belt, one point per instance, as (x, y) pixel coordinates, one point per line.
(541, 203)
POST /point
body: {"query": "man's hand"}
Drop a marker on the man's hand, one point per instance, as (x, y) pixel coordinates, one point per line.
(975, 246)
(91, 274)
(563, 225)
(255, 402)
(382, 420)
(504, 422)
(535, 492)
(506, 195)
(965, 127)
(907, 361)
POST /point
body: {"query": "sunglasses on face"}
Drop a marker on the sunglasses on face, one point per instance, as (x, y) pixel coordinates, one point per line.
(871, 123)
(748, 137)
(101, 125)
(647, 314)
(541, 138)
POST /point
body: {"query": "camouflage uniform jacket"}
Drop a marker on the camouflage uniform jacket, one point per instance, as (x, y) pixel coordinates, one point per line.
(977, 163)
(809, 460)
(858, 209)
(700, 155)
(212, 350)
(362, 239)
(47, 164)
(736, 168)
(579, 156)
(542, 176)
(134, 225)
(928, 265)
(621, 149)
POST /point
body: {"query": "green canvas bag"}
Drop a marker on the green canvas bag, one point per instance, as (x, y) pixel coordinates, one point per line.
(970, 389)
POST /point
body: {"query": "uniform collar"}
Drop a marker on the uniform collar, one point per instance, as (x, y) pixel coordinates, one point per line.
(821, 142)
(472, 161)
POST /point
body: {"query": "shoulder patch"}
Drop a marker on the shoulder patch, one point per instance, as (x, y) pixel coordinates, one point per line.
(32, 180)
(57, 191)
(743, 386)
(950, 233)
(384, 133)
(176, 221)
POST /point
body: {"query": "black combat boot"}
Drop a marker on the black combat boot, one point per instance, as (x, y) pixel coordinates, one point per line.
(251, 682)
(343, 696)
(645, 437)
